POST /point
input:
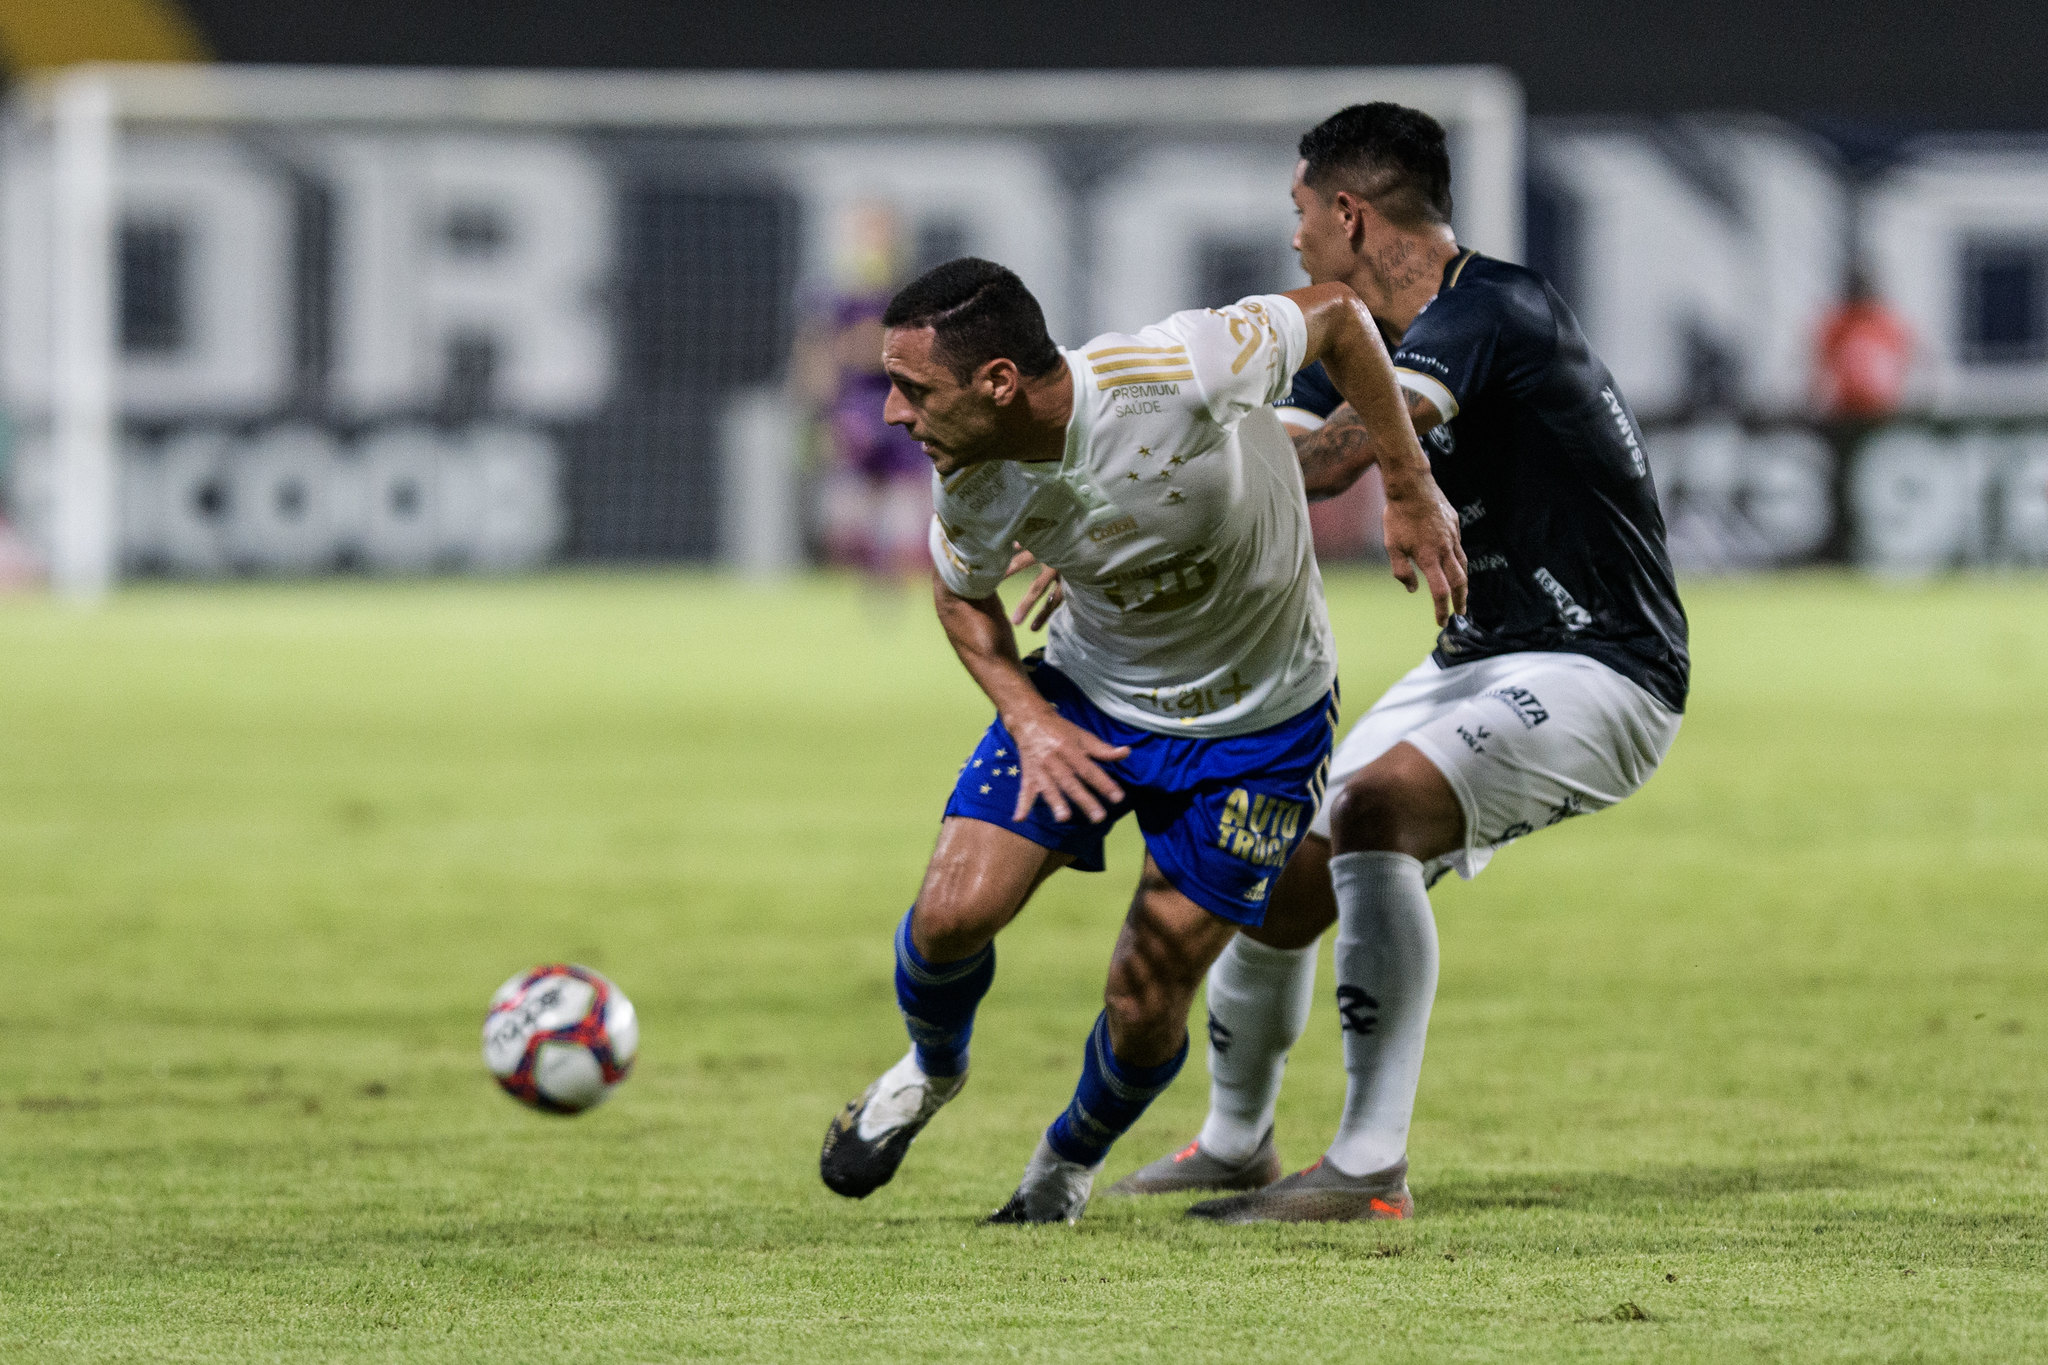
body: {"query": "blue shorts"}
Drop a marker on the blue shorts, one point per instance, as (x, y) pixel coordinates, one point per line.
(1220, 816)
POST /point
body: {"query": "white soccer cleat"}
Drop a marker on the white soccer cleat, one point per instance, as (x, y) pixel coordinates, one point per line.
(1054, 1190)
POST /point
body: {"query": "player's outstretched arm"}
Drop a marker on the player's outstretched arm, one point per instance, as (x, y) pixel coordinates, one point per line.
(1421, 528)
(1061, 762)
(1336, 454)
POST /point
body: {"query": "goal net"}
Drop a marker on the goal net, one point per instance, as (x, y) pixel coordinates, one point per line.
(297, 321)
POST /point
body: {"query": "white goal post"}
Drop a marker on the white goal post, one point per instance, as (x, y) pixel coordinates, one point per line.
(331, 339)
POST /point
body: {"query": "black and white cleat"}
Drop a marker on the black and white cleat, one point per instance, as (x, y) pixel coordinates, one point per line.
(866, 1141)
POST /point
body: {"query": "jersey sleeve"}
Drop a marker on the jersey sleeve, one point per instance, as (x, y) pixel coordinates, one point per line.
(1448, 351)
(968, 568)
(1311, 399)
(1240, 358)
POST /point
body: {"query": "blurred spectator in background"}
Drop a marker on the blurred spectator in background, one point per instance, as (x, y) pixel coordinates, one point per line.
(1865, 353)
(19, 570)
(874, 496)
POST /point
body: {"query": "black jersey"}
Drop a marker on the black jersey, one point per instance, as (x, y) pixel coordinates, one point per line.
(1543, 460)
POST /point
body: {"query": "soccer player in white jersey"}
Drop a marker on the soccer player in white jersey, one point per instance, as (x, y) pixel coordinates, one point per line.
(1190, 679)
(1557, 695)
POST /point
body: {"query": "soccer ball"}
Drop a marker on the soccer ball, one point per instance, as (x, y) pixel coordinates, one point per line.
(559, 1038)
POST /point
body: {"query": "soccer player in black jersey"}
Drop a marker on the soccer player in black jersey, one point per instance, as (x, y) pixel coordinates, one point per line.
(1555, 694)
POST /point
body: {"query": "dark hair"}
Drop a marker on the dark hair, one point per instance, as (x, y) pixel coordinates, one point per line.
(978, 311)
(1391, 156)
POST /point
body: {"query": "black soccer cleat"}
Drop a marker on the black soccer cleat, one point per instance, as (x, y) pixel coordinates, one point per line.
(867, 1140)
(1012, 1212)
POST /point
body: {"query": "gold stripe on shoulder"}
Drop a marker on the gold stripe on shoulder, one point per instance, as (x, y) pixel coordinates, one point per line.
(1462, 263)
(1154, 377)
(1150, 362)
(1137, 350)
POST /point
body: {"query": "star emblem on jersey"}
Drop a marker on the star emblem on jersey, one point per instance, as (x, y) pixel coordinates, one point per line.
(1144, 450)
(1175, 495)
(984, 789)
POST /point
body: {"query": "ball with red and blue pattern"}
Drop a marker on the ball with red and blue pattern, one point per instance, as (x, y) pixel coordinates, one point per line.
(560, 1037)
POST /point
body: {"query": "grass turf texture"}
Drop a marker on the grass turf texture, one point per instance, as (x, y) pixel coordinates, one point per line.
(1749, 1067)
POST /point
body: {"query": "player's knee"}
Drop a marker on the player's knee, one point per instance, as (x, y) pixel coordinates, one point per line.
(947, 930)
(1368, 815)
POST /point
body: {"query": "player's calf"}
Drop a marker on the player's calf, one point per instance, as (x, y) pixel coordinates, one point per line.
(978, 879)
(1136, 1048)
(1111, 1095)
(867, 1141)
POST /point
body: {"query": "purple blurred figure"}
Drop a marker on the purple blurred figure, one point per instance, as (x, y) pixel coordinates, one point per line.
(875, 496)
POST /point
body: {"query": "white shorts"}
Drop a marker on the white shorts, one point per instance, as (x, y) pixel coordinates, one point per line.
(1525, 740)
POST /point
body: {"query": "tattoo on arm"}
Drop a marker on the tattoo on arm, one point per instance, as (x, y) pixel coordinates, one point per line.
(1334, 454)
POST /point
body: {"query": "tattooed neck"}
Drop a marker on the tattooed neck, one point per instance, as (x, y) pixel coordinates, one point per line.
(1399, 266)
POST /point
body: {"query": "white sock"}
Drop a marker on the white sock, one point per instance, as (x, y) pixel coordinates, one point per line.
(1386, 981)
(1259, 999)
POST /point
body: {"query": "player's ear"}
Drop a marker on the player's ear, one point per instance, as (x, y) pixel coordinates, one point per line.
(1352, 212)
(999, 379)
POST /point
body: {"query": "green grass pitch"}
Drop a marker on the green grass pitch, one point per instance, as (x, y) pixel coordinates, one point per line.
(1751, 1067)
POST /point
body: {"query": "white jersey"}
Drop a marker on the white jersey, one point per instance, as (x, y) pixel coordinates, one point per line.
(1178, 524)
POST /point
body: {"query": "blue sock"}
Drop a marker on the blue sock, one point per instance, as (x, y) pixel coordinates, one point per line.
(1109, 1098)
(938, 1000)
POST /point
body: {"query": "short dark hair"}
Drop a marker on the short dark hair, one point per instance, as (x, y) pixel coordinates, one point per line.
(1391, 156)
(978, 311)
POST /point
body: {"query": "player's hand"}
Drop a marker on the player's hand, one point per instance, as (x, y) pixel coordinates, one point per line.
(1046, 586)
(1062, 763)
(1422, 533)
